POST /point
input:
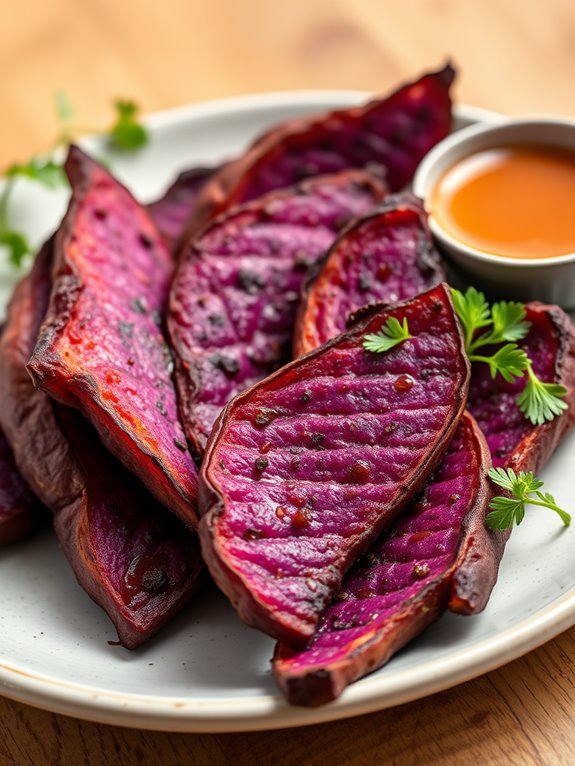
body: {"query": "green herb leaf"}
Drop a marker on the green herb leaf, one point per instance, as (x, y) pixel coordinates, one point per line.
(507, 510)
(391, 334)
(44, 171)
(540, 402)
(473, 311)
(509, 361)
(16, 244)
(508, 321)
(127, 132)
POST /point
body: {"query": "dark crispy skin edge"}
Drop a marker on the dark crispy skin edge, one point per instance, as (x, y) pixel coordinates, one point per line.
(304, 335)
(146, 465)
(72, 530)
(187, 374)
(531, 454)
(226, 187)
(321, 685)
(20, 402)
(13, 375)
(212, 503)
(47, 459)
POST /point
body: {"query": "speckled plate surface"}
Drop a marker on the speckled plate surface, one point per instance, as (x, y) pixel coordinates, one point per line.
(206, 671)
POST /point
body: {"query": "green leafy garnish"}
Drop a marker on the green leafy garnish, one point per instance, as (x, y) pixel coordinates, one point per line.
(127, 132)
(509, 361)
(540, 402)
(391, 334)
(505, 322)
(473, 311)
(520, 486)
(41, 169)
(17, 245)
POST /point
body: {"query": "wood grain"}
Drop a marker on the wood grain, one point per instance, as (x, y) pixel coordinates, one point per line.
(513, 57)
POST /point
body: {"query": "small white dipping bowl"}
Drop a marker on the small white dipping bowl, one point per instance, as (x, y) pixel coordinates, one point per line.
(551, 280)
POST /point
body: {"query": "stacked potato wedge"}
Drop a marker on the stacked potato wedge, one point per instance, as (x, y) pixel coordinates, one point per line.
(188, 383)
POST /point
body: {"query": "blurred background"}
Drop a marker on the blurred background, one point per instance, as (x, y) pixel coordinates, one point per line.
(513, 56)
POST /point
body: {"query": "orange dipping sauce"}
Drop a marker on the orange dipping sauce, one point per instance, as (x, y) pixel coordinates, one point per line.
(515, 201)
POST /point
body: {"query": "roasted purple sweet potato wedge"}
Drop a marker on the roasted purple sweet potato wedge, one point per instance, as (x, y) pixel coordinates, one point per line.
(393, 132)
(132, 557)
(20, 511)
(102, 347)
(25, 418)
(234, 297)
(386, 256)
(173, 209)
(513, 440)
(403, 583)
(303, 471)
(129, 553)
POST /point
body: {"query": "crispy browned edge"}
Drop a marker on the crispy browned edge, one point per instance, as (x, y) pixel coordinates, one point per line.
(226, 186)
(64, 298)
(44, 456)
(399, 201)
(319, 686)
(212, 502)
(21, 402)
(186, 373)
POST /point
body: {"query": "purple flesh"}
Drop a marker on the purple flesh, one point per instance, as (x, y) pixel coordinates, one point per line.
(20, 512)
(128, 552)
(392, 133)
(234, 297)
(403, 583)
(386, 256)
(134, 558)
(101, 348)
(172, 210)
(303, 471)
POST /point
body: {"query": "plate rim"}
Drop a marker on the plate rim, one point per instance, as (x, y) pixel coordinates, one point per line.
(256, 713)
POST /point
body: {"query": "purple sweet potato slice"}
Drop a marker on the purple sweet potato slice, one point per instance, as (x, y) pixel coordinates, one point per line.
(102, 347)
(20, 511)
(173, 209)
(129, 553)
(303, 471)
(132, 557)
(513, 440)
(28, 423)
(235, 293)
(403, 583)
(386, 256)
(393, 132)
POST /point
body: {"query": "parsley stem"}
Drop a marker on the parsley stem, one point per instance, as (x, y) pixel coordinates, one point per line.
(565, 517)
(4, 200)
(479, 358)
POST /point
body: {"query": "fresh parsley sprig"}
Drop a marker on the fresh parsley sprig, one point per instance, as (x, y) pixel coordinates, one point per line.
(126, 133)
(391, 334)
(505, 322)
(510, 509)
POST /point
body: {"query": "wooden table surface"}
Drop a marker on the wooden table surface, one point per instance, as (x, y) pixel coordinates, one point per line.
(514, 57)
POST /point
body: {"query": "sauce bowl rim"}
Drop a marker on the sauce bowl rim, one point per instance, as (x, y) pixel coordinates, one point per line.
(453, 145)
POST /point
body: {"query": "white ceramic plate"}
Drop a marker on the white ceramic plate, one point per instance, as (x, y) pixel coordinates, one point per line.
(206, 671)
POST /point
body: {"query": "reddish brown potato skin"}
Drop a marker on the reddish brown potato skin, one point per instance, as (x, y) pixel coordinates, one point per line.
(410, 132)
